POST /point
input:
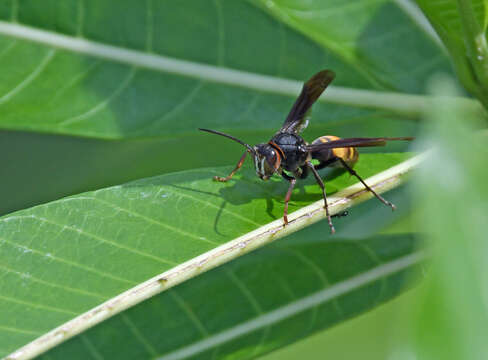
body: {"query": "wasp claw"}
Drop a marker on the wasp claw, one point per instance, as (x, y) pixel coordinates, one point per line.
(219, 179)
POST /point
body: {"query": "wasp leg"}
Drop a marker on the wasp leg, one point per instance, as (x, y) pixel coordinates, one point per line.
(304, 172)
(322, 186)
(238, 166)
(379, 197)
(292, 181)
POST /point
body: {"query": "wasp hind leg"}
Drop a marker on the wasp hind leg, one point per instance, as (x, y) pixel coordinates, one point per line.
(378, 196)
(238, 166)
(322, 186)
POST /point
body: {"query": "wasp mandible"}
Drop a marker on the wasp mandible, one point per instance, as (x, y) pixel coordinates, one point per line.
(289, 156)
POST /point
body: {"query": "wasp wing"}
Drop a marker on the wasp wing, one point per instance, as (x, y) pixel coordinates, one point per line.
(298, 117)
(355, 142)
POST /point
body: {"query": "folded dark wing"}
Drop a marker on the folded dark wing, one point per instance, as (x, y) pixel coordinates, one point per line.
(355, 142)
(298, 117)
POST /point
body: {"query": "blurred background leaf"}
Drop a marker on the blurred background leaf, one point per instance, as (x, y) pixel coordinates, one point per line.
(58, 91)
(451, 317)
(462, 25)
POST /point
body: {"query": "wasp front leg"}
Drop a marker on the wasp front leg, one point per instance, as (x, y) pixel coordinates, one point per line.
(292, 181)
(238, 166)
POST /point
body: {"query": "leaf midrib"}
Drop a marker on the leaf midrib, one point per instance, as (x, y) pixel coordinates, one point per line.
(406, 104)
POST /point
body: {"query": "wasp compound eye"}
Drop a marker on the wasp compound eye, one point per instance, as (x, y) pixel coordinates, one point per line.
(266, 161)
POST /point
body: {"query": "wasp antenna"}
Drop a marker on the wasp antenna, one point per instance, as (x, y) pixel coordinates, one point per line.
(249, 147)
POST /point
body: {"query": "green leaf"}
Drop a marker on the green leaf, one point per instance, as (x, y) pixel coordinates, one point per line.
(452, 194)
(366, 35)
(258, 303)
(462, 25)
(147, 74)
(60, 259)
(118, 69)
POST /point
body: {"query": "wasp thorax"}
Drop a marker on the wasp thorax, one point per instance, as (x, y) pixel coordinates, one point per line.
(266, 160)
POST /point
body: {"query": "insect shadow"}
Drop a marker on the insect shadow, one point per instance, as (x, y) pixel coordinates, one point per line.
(247, 188)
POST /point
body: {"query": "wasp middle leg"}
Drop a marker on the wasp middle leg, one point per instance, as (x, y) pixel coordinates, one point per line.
(322, 186)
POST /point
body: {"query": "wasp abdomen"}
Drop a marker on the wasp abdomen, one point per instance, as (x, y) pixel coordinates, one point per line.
(349, 154)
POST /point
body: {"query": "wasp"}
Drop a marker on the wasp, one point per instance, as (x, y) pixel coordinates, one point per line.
(290, 156)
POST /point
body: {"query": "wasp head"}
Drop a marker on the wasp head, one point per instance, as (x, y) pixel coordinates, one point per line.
(266, 160)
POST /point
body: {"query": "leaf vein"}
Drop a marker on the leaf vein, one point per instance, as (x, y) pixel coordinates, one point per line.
(92, 350)
(97, 237)
(8, 48)
(181, 194)
(102, 104)
(38, 306)
(19, 331)
(189, 313)
(30, 78)
(176, 109)
(47, 283)
(146, 218)
(68, 262)
(254, 303)
(323, 278)
(139, 335)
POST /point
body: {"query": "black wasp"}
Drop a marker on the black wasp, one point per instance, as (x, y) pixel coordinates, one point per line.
(288, 155)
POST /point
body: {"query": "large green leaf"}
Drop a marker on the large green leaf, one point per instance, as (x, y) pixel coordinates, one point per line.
(121, 68)
(258, 303)
(373, 46)
(63, 258)
(152, 72)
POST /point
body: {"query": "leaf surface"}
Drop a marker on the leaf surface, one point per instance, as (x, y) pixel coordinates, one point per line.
(153, 69)
(63, 258)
